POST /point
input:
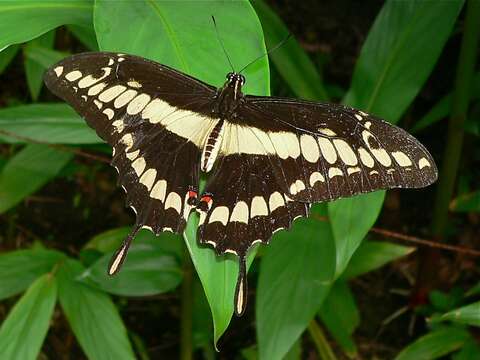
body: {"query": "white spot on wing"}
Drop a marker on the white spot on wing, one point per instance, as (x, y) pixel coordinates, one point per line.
(89, 80)
(94, 90)
(423, 162)
(220, 213)
(276, 200)
(159, 190)
(240, 212)
(258, 207)
(327, 132)
(401, 158)
(365, 157)
(118, 125)
(58, 70)
(123, 99)
(73, 75)
(134, 84)
(174, 201)
(139, 165)
(334, 171)
(127, 140)
(138, 104)
(327, 149)
(109, 113)
(316, 177)
(345, 152)
(132, 155)
(353, 170)
(148, 178)
(310, 150)
(111, 93)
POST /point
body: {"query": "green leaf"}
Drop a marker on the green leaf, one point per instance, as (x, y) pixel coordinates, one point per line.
(93, 317)
(295, 277)
(24, 20)
(20, 268)
(469, 314)
(148, 270)
(86, 34)
(43, 56)
(290, 59)
(6, 56)
(373, 254)
(466, 202)
(50, 123)
(33, 70)
(189, 42)
(399, 54)
(340, 315)
(218, 275)
(435, 344)
(110, 240)
(351, 219)
(470, 351)
(24, 330)
(441, 109)
(27, 171)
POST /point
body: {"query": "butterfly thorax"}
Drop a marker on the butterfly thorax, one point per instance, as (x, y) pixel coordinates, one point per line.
(228, 98)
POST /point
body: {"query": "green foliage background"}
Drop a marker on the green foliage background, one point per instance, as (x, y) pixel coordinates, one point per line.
(304, 273)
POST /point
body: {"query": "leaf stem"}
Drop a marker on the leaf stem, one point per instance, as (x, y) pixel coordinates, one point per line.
(186, 343)
(323, 347)
(461, 97)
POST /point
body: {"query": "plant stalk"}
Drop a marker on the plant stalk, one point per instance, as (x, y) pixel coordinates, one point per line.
(325, 352)
(428, 273)
(460, 101)
(186, 343)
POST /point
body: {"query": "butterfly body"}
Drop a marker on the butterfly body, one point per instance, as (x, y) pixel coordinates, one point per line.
(268, 159)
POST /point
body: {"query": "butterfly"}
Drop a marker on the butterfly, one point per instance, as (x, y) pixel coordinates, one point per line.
(268, 158)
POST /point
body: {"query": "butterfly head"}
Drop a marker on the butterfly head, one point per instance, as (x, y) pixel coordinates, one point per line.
(235, 79)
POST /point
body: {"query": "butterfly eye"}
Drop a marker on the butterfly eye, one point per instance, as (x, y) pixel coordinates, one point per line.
(229, 76)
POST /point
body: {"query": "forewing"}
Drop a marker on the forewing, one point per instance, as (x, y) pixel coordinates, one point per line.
(154, 117)
(322, 152)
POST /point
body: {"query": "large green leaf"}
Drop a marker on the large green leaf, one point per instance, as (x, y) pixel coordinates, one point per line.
(86, 34)
(186, 39)
(18, 269)
(218, 276)
(340, 315)
(23, 20)
(435, 344)
(34, 70)
(373, 254)
(6, 56)
(441, 109)
(51, 123)
(148, 270)
(23, 331)
(27, 171)
(399, 53)
(350, 220)
(295, 276)
(93, 316)
(469, 314)
(290, 59)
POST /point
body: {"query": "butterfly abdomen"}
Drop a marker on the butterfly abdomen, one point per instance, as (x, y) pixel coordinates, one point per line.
(212, 146)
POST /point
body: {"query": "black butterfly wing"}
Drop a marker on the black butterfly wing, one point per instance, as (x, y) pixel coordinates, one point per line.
(245, 205)
(322, 152)
(156, 120)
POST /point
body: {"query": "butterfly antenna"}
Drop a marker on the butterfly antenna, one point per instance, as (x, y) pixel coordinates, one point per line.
(221, 43)
(281, 43)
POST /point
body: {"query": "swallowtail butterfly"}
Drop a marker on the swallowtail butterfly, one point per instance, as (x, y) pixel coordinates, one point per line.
(269, 158)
